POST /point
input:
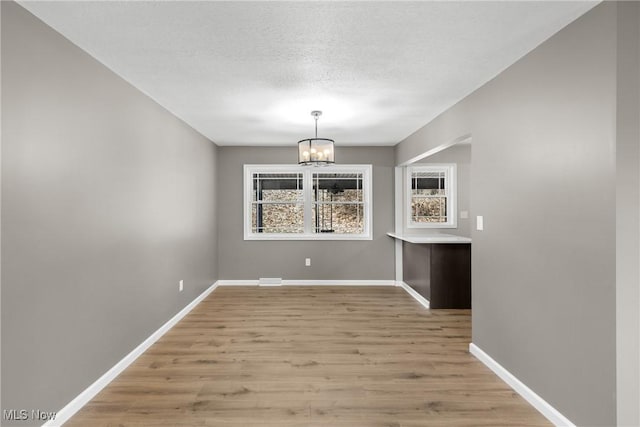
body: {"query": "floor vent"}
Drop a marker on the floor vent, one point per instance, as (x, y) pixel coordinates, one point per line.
(270, 281)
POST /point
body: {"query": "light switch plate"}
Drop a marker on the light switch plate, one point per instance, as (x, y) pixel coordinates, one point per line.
(479, 223)
(464, 214)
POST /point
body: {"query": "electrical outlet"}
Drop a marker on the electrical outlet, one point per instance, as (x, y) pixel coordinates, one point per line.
(181, 286)
(307, 262)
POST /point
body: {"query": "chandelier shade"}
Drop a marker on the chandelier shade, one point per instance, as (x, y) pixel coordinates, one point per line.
(316, 151)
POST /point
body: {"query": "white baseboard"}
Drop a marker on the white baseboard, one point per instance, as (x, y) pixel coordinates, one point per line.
(312, 283)
(89, 393)
(237, 282)
(551, 413)
(422, 300)
(339, 282)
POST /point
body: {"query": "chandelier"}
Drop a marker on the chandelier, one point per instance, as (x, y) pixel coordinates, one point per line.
(315, 151)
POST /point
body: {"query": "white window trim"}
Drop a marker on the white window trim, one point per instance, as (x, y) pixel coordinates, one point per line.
(307, 174)
(451, 193)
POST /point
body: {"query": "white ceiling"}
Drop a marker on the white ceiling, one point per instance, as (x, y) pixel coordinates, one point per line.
(249, 73)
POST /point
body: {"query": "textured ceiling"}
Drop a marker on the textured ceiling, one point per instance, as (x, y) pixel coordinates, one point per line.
(249, 73)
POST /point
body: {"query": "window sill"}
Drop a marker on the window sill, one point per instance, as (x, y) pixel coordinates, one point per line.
(308, 237)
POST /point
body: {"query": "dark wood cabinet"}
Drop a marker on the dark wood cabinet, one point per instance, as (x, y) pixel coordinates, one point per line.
(440, 272)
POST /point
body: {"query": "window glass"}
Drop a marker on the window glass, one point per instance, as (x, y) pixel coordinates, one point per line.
(277, 203)
(338, 203)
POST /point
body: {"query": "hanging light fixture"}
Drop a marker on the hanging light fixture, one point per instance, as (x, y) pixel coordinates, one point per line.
(316, 151)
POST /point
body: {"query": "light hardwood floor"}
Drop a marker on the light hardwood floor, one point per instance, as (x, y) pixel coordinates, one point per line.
(311, 356)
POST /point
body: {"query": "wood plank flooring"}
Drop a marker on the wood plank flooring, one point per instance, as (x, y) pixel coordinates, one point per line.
(311, 356)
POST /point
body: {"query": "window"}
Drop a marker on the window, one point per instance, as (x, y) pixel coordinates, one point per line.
(290, 202)
(431, 196)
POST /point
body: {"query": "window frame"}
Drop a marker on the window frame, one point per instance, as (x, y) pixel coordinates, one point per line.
(451, 194)
(307, 187)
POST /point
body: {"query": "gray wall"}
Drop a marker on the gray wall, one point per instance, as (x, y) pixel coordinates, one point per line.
(108, 201)
(461, 156)
(330, 260)
(544, 270)
(628, 215)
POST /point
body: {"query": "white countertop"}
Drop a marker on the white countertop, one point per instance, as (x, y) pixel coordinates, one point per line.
(432, 238)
